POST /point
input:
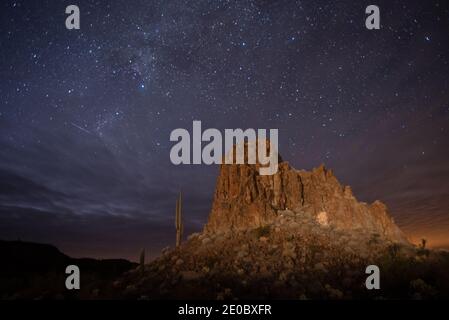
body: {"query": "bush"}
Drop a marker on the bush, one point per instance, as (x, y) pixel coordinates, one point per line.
(263, 231)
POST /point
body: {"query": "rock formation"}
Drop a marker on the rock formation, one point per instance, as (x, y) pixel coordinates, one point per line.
(291, 235)
(246, 200)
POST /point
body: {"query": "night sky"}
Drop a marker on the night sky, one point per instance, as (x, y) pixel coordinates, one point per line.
(86, 115)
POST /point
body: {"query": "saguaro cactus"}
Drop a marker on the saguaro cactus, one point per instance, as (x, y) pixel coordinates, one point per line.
(423, 243)
(178, 221)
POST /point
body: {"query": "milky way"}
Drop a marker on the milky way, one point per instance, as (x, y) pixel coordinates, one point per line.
(86, 114)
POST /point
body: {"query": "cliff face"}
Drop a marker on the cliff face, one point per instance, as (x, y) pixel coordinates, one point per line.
(246, 200)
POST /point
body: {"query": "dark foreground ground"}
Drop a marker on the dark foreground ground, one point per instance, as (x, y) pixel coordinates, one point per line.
(37, 271)
(266, 263)
(272, 262)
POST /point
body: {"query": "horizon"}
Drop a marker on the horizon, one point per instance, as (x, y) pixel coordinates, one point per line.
(154, 252)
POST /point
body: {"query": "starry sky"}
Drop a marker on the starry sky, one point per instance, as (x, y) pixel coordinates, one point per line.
(86, 115)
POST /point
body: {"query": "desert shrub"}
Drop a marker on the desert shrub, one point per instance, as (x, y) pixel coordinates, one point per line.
(422, 251)
(263, 231)
(394, 250)
(374, 239)
(419, 289)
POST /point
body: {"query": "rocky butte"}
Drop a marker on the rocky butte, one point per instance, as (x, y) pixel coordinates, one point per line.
(245, 200)
(292, 235)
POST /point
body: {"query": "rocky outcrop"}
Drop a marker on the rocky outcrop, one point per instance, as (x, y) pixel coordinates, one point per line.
(244, 199)
(292, 235)
(296, 256)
